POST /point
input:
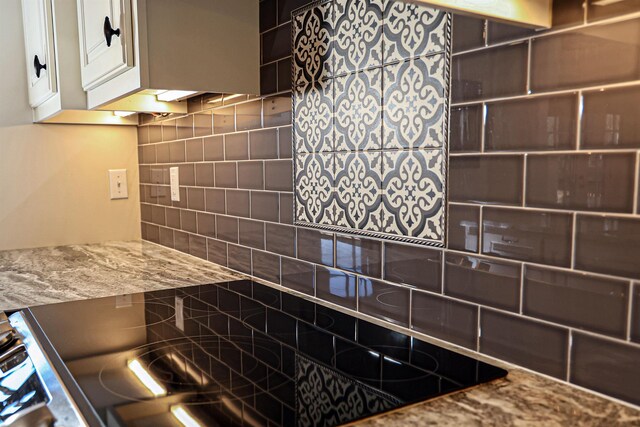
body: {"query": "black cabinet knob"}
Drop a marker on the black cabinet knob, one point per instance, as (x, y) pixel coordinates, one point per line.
(109, 32)
(38, 66)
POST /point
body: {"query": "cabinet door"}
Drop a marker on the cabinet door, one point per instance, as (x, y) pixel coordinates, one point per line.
(106, 42)
(39, 49)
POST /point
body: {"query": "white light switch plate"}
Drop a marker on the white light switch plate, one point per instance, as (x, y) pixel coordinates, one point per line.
(174, 179)
(118, 184)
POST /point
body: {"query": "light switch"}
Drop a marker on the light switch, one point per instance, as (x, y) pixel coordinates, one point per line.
(174, 180)
(118, 184)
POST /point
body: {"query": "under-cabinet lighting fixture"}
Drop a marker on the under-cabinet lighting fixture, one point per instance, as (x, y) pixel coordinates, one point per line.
(123, 113)
(185, 418)
(172, 95)
(146, 379)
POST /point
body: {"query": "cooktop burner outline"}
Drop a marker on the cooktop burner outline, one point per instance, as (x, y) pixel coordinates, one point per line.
(238, 353)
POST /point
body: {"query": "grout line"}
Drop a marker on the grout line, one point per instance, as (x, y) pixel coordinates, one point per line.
(544, 210)
(442, 271)
(636, 185)
(525, 162)
(552, 32)
(522, 267)
(573, 240)
(528, 76)
(483, 127)
(569, 346)
(630, 311)
(480, 230)
(546, 152)
(479, 329)
(579, 120)
(592, 88)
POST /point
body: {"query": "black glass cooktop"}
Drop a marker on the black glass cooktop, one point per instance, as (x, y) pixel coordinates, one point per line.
(241, 353)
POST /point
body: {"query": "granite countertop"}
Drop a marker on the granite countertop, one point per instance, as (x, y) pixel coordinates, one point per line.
(47, 275)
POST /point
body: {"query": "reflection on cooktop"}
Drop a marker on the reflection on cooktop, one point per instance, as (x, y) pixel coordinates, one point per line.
(241, 353)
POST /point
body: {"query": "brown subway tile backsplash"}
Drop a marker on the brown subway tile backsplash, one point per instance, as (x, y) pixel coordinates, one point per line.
(195, 197)
(594, 182)
(464, 223)
(251, 233)
(206, 224)
(278, 175)
(188, 221)
(266, 266)
(281, 239)
(173, 218)
(444, 318)
(315, 246)
(187, 174)
(166, 237)
(224, 120)
(414, 266)
(184, 126)
(490, 73)
(468, 33)
(298, 275)
(214, 148)
(215, 200)
(543, 123)
(606, 366)
(236, 146)
(336, 286)
(177, 151)
(217, 251)
(239, 258)
(384, 301)
(276, 43)
(202, 124)
(616, 47)
(286, 208)
(226, 175)
(285, 143)
(251, 175)
(238, 203)
(611, 118)
(169, 130)
(264, 144)
(486, 179)
(608, 244)
(534, 236)
(483, 281)
(162, 153)
(249, 115)
(359, 255)
(576, 299)
(157, 215)
(194, 150)
(198, 246)
(498, 32)
(596, 10)
(265, 206)
(465, 129)
(227, 228)
(204, 174)
(528, 343)
(277, 110)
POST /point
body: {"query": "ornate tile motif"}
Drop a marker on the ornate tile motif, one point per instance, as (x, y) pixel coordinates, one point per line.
(314, 187)
(413, 193)
(414, 103)
(370, 103)
(313, 109)
(358, 188)
(312, 44)
(412, 30)
(358, 34)
(358, 111)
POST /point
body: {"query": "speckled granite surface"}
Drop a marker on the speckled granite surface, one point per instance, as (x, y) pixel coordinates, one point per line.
(47, 275)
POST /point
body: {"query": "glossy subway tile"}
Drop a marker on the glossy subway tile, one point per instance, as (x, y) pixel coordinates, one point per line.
(616, 46)
(298, 275)
(315, 246)
(486, 179)
(251, 175)
(468, 33)
(534, 236)
(465, 129)
(411, 265)
(251, 233)
(483, 281)
(607, 366)
(464, 225)
(444, 318)
(384, 301)
(236, 146)
(359, 255)
(576, 299)
(608, 244)
(337, 287)
(593, 182)
(531, 124)
(525, 342)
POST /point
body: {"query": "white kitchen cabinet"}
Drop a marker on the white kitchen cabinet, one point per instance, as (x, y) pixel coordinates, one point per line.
(161, 45)
(53, 72)
(106, 46)
(39, 48)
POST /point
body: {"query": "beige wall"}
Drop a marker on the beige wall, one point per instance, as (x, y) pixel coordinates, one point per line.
(53, 178)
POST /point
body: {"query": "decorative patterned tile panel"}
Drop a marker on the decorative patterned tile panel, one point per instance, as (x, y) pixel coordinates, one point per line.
(358, 34)
(380, 112)
(412, 30)
(414, 100)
